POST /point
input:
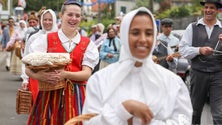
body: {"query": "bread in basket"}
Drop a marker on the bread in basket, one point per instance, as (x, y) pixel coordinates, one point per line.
(41, 61)
(47, 61)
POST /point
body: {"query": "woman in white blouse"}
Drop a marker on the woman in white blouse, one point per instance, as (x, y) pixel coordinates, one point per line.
(15, 41)
(48, 24)
(135, 90)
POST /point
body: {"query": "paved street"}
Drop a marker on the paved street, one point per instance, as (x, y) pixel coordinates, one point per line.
(8, 87)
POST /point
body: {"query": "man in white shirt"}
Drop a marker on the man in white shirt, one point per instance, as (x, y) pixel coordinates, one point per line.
(171, 42)
(200, 43)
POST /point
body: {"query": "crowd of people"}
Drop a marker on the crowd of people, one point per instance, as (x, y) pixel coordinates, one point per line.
(124, 73)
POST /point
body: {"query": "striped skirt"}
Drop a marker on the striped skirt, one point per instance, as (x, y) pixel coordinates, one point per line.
(57, 106)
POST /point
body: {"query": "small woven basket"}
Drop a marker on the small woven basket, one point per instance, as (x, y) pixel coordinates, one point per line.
(43, 86)
(80, 118)
(23, 101)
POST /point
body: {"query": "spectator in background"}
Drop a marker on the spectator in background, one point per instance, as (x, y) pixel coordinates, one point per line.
(103, 35)
(99, 41)
(33, 20)
(16, 43)
(33, 25)
(167, 36)
(100, 28)
(109, 51)
(171, 42)
(95, 35)
(163, 57)
(7, 34)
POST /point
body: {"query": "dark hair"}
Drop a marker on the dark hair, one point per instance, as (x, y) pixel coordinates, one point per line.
(110, 28)
(167, 21)
(69, 2)
(10, 18)
(141, 13)
(217, 3)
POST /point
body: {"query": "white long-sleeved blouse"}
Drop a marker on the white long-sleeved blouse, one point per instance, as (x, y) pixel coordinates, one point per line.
(174, 108)
(91, 55)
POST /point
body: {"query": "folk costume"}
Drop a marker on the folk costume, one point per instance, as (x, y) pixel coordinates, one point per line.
(206, 70)
(15, 42)
(58, 106)
(163, 91)
(33, 84)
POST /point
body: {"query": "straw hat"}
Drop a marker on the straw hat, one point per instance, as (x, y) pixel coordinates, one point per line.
(32, 16)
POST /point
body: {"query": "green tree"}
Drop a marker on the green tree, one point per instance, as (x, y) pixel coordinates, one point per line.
(195, 2)
(140, 3)
(37, 4)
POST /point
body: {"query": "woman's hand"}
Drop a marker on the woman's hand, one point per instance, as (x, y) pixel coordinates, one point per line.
(52, 77)
(110, 55)
(25, 86)
(139, 109)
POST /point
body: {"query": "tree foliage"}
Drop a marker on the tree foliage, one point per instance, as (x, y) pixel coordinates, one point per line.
(37, 4)
(164, 5)
(140, 3)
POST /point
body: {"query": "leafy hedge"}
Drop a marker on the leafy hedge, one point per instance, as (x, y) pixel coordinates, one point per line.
(177, 12)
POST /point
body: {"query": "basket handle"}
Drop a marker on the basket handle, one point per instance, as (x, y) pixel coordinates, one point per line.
(80, 118)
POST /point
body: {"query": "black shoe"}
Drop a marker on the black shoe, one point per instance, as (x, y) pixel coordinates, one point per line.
(7, 68)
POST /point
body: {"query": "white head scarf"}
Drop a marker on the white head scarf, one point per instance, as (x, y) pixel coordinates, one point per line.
(22, 31)
(151, 80)
(101, 26)
(23, 21)
(54, 20)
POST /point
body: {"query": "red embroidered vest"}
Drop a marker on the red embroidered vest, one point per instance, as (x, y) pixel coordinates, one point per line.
(55, 46)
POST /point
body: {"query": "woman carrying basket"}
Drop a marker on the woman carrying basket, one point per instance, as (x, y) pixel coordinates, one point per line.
(57, 106)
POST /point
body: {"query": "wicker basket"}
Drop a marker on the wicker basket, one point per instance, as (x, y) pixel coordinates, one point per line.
(23, 101)
(43, 86)
(48, 68)
(80, 118)
(48, 86)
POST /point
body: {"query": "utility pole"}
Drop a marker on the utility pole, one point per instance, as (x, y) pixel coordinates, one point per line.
(151, 6)
(99, 13)
(10, 7)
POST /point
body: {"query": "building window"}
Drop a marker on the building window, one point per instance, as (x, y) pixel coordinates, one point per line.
(123, 9)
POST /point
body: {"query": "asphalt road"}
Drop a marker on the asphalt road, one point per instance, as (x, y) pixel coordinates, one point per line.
(9, 84)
